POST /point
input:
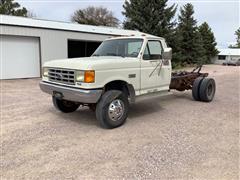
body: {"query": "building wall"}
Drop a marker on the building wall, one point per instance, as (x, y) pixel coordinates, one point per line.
(53, 43)
(216, 60)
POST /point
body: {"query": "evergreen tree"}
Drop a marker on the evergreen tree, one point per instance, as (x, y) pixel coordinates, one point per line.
(237, 33)
(190, 43)
(8, 7)
(237, 45)
(209, 42)
(199, 51)
(150, 16)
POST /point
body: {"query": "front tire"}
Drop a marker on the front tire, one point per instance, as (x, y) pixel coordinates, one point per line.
(64, 105)
(112, 109)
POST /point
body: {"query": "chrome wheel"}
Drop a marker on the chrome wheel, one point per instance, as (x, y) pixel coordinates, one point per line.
(116, 110)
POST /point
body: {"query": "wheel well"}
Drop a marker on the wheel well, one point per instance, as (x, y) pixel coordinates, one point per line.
(117, 85)
(123, 86)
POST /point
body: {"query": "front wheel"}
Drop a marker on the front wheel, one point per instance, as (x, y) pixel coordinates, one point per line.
(64, 105)
(112, 109)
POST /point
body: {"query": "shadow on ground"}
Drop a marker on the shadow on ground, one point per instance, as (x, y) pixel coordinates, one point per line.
(85, 116)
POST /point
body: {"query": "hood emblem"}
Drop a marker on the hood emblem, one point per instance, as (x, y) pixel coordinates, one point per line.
(59, 76)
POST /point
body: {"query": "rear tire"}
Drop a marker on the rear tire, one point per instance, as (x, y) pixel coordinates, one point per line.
(112, 109)
(207, 89)
(64, 105)
(196, 87)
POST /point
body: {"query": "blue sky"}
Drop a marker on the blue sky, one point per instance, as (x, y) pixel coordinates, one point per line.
(222, 15)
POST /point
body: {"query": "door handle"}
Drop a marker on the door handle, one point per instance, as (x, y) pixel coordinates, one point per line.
(152, 61)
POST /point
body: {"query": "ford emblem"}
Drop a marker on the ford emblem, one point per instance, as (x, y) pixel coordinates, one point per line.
(59, 76)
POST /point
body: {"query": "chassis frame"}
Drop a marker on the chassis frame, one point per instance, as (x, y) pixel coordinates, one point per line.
(183, 80)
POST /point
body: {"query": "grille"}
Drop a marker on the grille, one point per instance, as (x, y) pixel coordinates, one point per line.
(64, 76)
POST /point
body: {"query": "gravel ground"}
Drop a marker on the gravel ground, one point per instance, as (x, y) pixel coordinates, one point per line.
(171, 137)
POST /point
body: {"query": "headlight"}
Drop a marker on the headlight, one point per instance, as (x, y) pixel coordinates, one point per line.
(45, 72)
(85, 76)
(79, 76)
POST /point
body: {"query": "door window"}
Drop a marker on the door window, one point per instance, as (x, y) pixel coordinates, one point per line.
(153, 50)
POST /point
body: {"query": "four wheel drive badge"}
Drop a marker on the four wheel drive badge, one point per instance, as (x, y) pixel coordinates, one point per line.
(59, 76)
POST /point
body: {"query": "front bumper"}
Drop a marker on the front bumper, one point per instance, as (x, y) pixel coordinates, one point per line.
(72, 94)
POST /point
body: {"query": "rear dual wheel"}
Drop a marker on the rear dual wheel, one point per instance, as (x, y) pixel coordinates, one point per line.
(204, 89)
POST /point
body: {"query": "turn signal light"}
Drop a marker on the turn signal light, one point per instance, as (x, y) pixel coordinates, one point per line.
(89, 77)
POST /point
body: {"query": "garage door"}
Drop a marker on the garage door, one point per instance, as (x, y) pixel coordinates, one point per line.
(19, 57)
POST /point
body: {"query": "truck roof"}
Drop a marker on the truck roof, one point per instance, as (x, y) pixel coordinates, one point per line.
(138, 35)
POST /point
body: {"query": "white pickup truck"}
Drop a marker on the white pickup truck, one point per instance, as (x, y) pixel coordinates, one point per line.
(119, 72)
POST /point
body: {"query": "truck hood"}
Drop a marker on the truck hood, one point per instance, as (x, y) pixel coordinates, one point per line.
(94, 63)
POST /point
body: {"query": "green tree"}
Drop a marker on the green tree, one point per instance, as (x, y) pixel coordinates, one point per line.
(209, 42)
(190, 48)
(237, 33)
(98, 16)
(9, 7)
(153, 17)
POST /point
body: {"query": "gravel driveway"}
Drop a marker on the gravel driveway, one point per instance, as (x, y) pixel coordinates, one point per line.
(171, 137)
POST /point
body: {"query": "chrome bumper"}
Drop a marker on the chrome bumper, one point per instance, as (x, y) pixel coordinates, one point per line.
(71, 94)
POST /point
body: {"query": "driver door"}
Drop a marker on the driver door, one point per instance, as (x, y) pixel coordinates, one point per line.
(152, 68)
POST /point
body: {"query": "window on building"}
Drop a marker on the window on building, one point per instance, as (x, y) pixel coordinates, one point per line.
(221, 57)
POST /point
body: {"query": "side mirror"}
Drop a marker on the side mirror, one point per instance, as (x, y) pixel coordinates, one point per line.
(167, 53)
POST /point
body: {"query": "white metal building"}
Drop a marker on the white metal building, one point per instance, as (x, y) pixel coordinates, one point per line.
(25, 43)
(227, 55)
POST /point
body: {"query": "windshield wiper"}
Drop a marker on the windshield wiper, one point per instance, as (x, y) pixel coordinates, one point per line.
(96, 55)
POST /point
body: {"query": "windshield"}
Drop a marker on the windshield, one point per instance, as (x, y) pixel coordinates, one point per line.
(119, 47)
